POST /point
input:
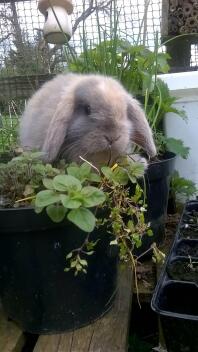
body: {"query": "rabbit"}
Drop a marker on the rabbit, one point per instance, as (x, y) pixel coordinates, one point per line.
(87, 115)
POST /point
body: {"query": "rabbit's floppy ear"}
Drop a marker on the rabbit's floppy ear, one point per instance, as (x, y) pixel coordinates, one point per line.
(58, 127)
(141, 132)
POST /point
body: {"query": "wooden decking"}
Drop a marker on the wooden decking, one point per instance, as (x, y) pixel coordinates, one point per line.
(11, 337)
(108, 334)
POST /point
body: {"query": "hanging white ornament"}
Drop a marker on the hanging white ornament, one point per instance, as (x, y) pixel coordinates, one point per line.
(57, 28)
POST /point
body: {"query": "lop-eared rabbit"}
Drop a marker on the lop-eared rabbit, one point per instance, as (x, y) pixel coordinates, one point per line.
(91, 116)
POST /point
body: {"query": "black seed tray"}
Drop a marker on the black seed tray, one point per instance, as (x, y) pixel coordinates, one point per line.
(176, 295)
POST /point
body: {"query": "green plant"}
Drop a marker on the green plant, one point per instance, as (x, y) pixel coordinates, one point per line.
(8, 132)
(83, 195)
(21, 178)
(181, 186)
(72, 195)
(173, 145)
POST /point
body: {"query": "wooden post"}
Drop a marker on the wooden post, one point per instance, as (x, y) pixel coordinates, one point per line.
(180, 52)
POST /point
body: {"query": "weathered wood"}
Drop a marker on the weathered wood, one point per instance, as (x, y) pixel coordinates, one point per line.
(107, 334)
(146, 281)
(179, 18)
(11, 336)
(21, 87)
(164, 22)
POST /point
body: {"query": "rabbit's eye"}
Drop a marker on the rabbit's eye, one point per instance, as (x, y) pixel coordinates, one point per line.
(87, 109)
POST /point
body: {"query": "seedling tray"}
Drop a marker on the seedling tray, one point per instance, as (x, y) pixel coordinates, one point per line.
(176, 295)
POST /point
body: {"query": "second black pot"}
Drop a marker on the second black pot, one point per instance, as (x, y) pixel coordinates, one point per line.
(157, 179)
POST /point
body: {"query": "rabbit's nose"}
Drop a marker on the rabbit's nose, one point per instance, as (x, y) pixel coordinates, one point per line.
(111, 140)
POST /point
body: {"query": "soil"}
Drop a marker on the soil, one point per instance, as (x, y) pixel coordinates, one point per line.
(189, 231)
(191, 217)
(184, 270)
(187, 249)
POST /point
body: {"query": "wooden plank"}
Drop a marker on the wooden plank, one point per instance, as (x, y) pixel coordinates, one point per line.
(11, 336)
(107, 334)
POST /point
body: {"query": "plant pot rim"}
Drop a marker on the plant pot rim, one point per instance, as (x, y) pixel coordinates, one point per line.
(170, 313)
(25, 208)
(163, 158)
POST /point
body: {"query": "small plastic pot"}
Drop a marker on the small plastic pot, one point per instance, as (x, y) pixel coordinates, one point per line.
(177, 304)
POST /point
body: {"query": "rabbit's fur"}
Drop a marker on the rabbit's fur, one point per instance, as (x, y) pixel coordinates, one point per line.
(84, 115)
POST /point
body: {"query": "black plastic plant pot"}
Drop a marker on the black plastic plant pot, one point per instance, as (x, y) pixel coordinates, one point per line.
(176, 295)
(177, 305)
(35, 290)
(157, 191)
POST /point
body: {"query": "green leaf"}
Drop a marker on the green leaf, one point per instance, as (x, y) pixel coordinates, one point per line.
(120, 176)
(137, 240)
(83, 262)
(38, 210)
(149, 232)
(162, 62)
(64, 183)
(48, 183)
(45, 198)
(70, 203)
(107, 172)
(136, 170)
(114, 242)
(67, 269)
(74, 171)
(183, 186)
(37, 155)
(94, 177)
(148, 83)
(56, 212)
(69, 255)
(82, 172)
(90, 252)
(131, 226)
(85, 168)
(92, 196)
(83, 218)
(90, 245)
(177, 146)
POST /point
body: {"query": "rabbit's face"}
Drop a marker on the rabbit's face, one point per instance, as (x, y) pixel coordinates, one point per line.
(100, 128)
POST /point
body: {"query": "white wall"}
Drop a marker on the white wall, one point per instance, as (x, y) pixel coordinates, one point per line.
(184, 86)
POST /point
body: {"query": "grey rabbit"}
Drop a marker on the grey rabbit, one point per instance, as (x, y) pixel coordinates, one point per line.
(91, 116)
